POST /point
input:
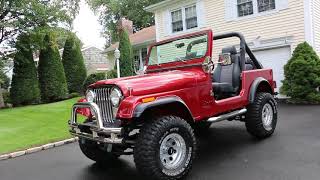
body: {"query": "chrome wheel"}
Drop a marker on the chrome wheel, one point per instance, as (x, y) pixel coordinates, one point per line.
(172, 151)
(267, 116)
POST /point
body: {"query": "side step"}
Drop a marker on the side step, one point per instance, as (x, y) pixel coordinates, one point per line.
(227, 116)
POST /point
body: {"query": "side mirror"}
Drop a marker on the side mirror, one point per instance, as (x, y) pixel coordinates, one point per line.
(207, 65)
(225, 59)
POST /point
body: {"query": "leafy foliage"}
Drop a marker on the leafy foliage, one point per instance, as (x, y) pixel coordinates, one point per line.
(73, 63)
(112, 74)
(302, 75)
(52, 78)
(25, 87)
(126, 57)
(4, 81)
(111, 11)
(92, 78)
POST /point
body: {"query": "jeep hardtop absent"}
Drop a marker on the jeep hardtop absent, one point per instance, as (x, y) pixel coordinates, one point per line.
(155, 116)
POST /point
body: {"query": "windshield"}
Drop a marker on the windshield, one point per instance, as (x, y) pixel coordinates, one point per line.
(179, 50)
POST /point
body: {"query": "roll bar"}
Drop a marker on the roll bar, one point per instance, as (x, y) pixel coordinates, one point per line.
(244, 48)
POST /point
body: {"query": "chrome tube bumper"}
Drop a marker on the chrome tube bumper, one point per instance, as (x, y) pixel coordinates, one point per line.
(99, 132)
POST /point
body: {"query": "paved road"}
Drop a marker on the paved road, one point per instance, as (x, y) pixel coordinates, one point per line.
(228, 152)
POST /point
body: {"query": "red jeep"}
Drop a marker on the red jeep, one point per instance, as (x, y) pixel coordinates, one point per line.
(184, 90)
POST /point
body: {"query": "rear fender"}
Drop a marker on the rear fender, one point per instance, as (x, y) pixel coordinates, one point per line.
(259, 84)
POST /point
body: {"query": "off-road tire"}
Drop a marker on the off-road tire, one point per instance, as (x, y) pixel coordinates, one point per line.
(254, 116)
(92, 151)
(147, 149)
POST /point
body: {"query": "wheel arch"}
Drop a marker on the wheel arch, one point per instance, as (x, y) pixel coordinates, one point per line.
(259, 85)
(165, 106)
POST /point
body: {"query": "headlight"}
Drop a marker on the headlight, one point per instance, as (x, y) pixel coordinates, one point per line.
(115, 97)
(90, 95)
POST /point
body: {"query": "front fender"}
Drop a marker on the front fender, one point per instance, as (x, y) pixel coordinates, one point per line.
(134, 107)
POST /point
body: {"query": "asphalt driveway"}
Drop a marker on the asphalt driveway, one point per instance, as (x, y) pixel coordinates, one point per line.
(227, 152)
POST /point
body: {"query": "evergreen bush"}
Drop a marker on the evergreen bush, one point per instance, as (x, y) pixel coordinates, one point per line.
(126, 57)
(112, 74)
(92, 78)
(302, 75)
(52, 78)
(24, 86)
(73, 63)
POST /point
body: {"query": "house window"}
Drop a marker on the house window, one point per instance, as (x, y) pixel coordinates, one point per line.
(184, 19)
(177, 23)
(266, 5)
(140, 57)
(191, 17)
(245, 7)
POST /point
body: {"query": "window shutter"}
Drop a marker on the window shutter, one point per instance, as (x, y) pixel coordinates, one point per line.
(201, 16)
(167, 23)
(230, 10)
(282, 4)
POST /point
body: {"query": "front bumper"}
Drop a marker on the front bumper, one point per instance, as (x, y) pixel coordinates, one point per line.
(98, 132)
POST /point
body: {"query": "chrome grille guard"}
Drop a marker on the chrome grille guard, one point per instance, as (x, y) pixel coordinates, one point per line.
(96, 130)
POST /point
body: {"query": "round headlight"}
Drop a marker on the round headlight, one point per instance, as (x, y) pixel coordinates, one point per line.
(90, 95)
(115, 97)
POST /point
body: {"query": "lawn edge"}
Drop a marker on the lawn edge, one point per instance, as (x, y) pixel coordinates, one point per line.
(37, 149)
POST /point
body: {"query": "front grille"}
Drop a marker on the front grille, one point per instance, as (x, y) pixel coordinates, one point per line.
(102, 99)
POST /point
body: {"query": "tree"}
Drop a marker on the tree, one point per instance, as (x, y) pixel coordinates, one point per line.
(25, 16)
(24, 86)
(302, 75)
(73, 63)
(111, 11)
(126, 57)
(52, 78)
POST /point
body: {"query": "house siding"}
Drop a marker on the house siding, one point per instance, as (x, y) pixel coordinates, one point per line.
(316, 24)
(288, 22)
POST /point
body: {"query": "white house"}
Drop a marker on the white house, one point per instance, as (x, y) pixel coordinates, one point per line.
(273, 28)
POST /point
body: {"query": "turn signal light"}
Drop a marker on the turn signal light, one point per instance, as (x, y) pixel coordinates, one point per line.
(150, 99)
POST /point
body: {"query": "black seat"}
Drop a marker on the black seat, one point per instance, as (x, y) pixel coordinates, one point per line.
(226, 78)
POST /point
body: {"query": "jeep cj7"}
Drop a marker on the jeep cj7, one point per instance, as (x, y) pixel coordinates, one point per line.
(184, 90)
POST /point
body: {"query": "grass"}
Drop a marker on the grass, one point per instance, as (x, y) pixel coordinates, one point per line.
(28, 126)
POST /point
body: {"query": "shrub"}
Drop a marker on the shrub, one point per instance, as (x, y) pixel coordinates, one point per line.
(51, 74)
(4, 81)
(302, 75)
(73, 63)
(126, 57)
(112, 74)
(92, 78)
(24, 86)
(6, 97)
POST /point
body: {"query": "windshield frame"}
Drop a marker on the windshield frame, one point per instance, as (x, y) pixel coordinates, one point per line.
(179, 64)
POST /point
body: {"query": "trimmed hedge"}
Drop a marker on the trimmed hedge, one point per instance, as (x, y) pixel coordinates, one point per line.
(52, 78)
(24, 86)
(73, 64)
(92, 78)
(302, 75)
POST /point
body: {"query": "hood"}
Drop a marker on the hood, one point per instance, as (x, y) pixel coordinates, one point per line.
(152, 83)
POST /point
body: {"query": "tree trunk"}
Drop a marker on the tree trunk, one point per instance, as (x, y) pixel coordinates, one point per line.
(1, 98)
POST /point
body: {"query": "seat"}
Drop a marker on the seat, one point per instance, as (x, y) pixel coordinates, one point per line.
(226, 78)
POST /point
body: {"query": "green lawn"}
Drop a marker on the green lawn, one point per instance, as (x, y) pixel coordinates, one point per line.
(24, 127)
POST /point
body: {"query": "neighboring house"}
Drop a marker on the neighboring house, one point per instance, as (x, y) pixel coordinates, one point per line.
(273, 28)
(95, 60)
(140, 42)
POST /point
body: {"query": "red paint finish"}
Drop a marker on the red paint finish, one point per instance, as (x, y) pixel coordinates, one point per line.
(190, 83)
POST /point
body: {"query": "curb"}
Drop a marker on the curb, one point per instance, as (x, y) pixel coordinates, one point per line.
(37, 149)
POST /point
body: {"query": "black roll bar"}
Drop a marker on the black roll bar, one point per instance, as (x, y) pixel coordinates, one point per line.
(244, 48)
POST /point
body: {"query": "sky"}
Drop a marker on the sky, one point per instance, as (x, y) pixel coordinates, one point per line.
(87, 27)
